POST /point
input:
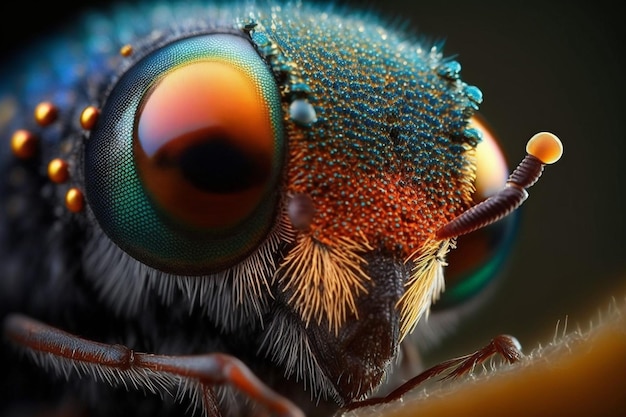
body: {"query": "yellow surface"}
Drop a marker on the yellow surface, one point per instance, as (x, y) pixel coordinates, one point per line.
(580, 374)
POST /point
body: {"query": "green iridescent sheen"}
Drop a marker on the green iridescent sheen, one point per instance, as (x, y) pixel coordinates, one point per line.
(116, 194)
(472, 282)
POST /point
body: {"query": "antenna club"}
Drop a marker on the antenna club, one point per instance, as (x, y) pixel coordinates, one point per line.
(546, 147)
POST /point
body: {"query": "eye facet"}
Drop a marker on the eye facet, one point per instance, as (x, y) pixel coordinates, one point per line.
(181, 168)
(480, 255)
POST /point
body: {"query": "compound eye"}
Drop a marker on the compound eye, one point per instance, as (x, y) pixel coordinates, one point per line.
(204, 145)
(480, 255)
(182, 166)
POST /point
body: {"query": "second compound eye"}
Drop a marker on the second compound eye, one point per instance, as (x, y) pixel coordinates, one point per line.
(480, 255)
(182, 166)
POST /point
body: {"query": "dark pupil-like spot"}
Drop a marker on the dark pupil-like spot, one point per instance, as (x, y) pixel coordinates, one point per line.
(217, 165)
(204, 145)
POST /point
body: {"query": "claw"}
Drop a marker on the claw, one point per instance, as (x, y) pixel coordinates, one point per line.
(506, 346)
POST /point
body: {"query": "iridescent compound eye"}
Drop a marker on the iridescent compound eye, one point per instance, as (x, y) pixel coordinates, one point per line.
(204, 145)
(182, 167)
(479, 255)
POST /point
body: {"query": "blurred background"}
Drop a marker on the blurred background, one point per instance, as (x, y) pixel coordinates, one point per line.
(541, 66)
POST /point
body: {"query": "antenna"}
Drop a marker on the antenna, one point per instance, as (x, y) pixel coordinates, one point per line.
(543, 148)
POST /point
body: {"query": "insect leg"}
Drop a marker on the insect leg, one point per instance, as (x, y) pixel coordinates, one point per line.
(506, 346)
(118, 364)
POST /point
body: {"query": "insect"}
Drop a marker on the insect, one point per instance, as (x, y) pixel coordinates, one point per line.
(236, 208)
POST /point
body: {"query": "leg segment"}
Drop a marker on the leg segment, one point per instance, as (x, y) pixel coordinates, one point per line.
(506, 346)
(118, 364)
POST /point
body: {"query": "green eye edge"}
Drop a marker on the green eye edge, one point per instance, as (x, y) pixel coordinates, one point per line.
(114, 189)
(469, 284)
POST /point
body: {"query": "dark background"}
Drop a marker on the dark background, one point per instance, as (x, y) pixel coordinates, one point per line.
(541, 66)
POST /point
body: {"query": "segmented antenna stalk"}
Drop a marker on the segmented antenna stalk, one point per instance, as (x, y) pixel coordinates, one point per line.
(543, 148)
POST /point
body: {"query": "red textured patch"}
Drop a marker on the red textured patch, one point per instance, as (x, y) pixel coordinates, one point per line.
(381, 205)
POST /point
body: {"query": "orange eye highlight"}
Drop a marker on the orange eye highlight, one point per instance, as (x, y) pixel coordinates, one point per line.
(491, 167)
(479, 255)
(204, 144)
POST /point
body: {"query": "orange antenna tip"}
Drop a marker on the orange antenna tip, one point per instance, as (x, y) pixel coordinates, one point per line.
(546, 147)
(543, 148)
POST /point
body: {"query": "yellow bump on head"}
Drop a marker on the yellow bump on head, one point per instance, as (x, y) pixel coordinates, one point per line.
(46, 113)
(126, 50)
(546, 147)
(58, 171)
(24, 144)
(89, 117)
(74, 200)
